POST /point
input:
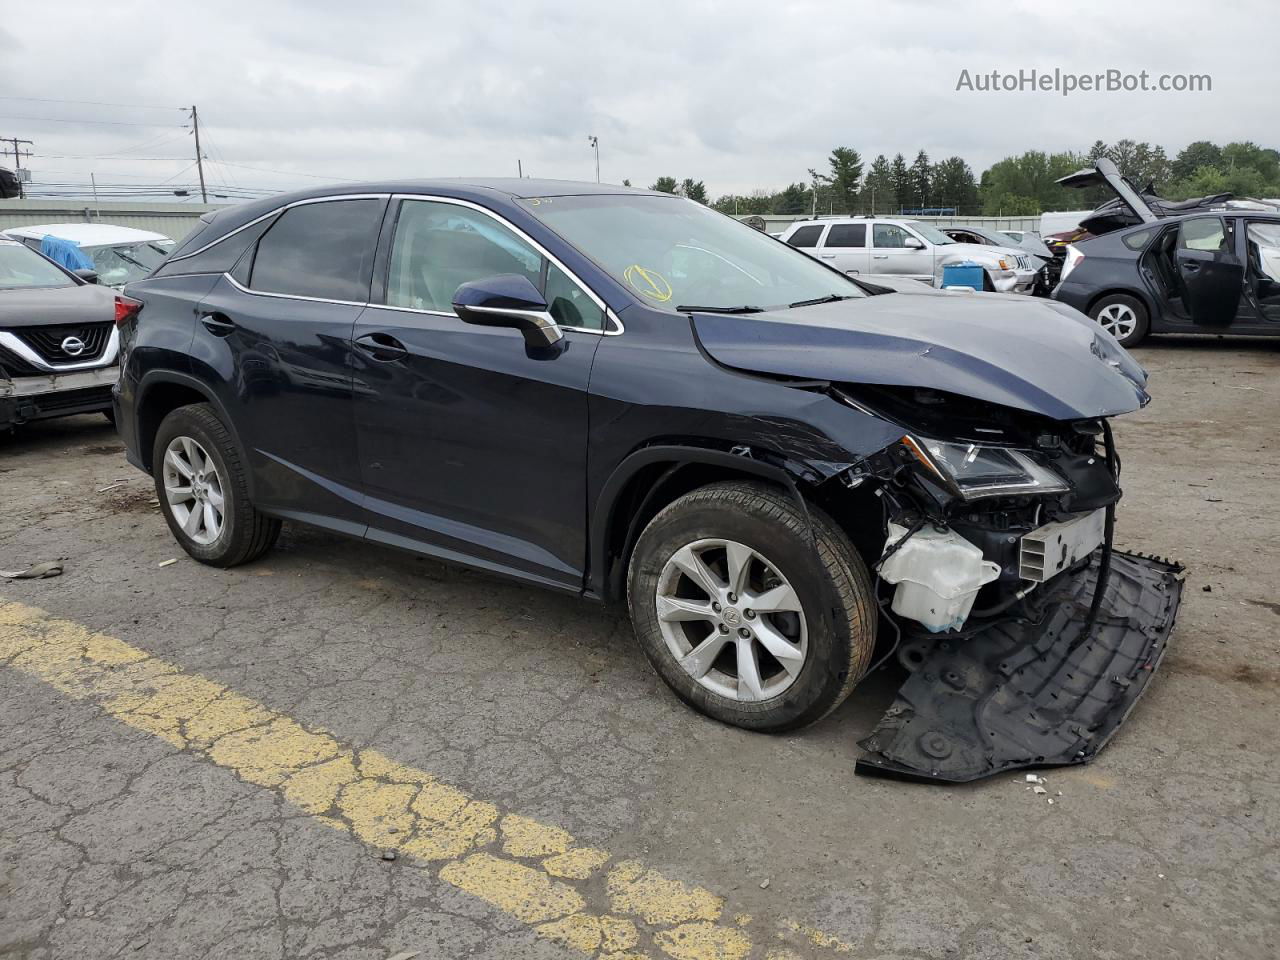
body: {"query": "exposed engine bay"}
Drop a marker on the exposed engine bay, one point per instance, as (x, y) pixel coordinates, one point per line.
(1028, 636)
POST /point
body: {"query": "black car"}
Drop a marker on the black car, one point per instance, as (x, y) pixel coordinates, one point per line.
(58, 338)
(626, 396)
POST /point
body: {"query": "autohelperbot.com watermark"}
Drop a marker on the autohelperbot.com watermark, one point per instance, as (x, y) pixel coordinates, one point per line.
(1066, 82)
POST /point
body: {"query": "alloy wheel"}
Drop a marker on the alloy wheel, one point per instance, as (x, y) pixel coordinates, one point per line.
(1118, 319)
(731, 620)
(193, 488)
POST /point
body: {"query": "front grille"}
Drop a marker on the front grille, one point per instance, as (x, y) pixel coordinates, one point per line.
(48, 341)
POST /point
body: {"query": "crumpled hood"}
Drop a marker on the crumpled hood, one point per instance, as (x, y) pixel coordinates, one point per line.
(46, 306)
(1036, 355)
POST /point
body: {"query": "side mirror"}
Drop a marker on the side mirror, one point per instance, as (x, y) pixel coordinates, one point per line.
(913, 243)
(87, 275)
(507, 300)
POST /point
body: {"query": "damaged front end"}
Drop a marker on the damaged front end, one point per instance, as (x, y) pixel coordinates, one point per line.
(1028, 637)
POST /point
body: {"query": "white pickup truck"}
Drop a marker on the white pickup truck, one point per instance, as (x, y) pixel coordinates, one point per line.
(878, 246)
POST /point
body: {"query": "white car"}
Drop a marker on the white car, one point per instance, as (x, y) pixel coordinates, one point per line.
(120, 255)
(878, 246)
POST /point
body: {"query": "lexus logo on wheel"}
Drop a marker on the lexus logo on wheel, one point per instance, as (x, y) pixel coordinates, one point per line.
(73, 346)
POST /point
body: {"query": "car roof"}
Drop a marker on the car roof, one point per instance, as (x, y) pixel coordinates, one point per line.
(87, 234)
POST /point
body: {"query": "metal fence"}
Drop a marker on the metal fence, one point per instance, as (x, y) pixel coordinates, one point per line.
(174, 220)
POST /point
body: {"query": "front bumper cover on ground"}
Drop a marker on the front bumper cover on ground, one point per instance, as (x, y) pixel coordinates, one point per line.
(1031, 694)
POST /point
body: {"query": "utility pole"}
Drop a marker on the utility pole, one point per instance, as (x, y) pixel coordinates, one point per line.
(195, 125)
(519, 169)
(595, 145)
(17, 161)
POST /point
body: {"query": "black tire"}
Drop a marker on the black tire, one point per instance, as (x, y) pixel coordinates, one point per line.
(246, 534)
(1142, 321)
(828, 576)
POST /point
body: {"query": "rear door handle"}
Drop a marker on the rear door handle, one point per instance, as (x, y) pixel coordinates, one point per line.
(382, 346)
(219, 324)
(880, 256)
(827, 256)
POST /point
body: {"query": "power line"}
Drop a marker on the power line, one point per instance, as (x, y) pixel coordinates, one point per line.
(94, 103)
(110, 123)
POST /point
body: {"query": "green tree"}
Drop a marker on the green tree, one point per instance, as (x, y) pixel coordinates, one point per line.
(626, 183)
(920, 180)
(845, 178)
(877, 189)
(900, 176)
(955, 186)
(1194, 156)
(1032, 175)
(694, 189)
(793, 199)
(665, 185)
(1011, 205)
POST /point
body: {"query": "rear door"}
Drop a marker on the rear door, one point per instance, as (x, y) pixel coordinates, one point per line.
(273, 338)
(890, 253)
(1210, 271)
(471, 443)
(845, 248)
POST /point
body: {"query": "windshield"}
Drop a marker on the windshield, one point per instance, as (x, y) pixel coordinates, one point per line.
(22, 267)
(675, 253)
(126, 262)
(929, 232)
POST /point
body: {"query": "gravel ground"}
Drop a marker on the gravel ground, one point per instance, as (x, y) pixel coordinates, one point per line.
(118, 839)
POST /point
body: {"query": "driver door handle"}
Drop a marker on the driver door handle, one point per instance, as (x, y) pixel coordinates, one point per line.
(382, 346)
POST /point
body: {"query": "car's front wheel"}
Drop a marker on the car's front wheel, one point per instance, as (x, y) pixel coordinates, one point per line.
(203, 491)
(1122, 316)
(751, 610)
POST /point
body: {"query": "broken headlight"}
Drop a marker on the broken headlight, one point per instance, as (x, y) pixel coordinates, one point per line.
(974, 471)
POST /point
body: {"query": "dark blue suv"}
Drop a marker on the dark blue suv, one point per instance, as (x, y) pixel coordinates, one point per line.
(625, 395)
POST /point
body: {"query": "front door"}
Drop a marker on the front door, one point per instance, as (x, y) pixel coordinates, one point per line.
(1211, 274)
(890, 253)
(275, 343)
(472, 444)
(845, 248)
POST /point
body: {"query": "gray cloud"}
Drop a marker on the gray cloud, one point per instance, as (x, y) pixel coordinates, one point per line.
(740, 95)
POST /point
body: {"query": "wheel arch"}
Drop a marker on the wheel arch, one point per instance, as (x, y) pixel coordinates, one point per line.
(160, 392)
(645, 482)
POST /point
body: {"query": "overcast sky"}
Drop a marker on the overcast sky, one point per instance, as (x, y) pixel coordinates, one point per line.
(741, 95)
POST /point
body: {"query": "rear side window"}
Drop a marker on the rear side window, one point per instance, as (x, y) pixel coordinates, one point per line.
(220, 257)
(321, 250)
(847, 235)
(1138, 239)
(805, 236)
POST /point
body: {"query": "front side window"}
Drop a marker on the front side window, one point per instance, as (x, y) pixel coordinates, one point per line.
(889, 236)
(22, 267)
(440, 246)
(1202, 233)
(322, 250)
(930, 233)
(847, 235)
(805, 236)
(674, 254)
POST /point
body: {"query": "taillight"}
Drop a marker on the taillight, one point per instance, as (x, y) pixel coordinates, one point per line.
(126, 309)
(1074, 257)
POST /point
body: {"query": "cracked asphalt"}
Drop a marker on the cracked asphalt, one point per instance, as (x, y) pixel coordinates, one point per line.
(341, 751)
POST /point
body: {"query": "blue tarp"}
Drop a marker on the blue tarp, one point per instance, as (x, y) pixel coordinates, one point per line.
(65, 252)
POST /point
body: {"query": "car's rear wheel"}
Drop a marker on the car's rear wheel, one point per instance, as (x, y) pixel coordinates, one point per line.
(751, 611)
(203, 491)
(1122, 316)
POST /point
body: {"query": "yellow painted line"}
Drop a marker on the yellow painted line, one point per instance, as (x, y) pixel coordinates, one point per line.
(575, 895)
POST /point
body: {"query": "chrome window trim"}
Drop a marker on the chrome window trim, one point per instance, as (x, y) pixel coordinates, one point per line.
(272, 213)
(110, 352)
(610, 316)
(291, 296)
